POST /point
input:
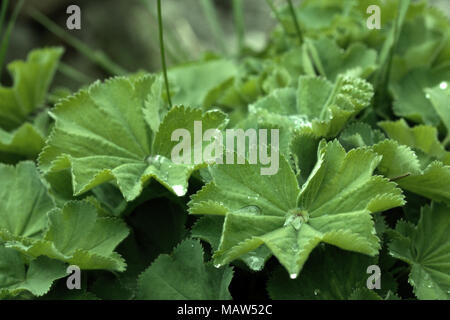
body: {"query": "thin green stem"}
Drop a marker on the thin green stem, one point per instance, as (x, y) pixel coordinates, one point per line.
(98, 57)
(446, 141)
(239, 23)
(277, 15)
(174, 50)
(74, 74)
(213, 21)
(7, 35)
(294, 18)
(163, 57)
(5, 4)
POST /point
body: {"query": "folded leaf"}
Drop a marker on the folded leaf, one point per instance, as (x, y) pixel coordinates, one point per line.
(31, 81)
(318, 104)
(333, 206)
(77, 236)
(25, 201)
(123, 149)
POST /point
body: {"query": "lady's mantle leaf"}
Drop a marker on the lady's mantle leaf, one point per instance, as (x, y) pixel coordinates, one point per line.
(440, 99)
(329, 274)
(423, 139)
(317, 103)
(37, 279)
(426, 247)
(184, 276)
(411, 99)
(30, 223)
(123, 148)
(77, 236)
(401, 164)
(333, 206)
(31, 82)
(25, 201)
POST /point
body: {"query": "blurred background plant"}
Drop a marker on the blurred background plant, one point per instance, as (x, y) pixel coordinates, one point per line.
(126, 32)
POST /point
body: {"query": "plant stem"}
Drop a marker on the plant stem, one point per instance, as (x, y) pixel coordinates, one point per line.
(73, 73)
(98, 57)
(5, 4)
(277, 15)
(238, 14)
(213, 21)
(294, 18)
(7, 35)
(163, 57)
(400, 177)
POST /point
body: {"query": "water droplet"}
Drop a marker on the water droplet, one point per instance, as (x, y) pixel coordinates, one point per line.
(300, 121)
(252, 210)
(316, 292)
(294, 276)
(255, 263)
(217, 265)
(179, 190)
(427, 96)
(443, 85)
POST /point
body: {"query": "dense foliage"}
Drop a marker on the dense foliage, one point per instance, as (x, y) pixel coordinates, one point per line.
(363, 179)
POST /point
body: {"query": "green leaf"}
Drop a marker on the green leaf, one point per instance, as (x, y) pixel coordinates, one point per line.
(401, 164)
(360, 134)
(23, 142)
(329, 274)
(194, 81)
(331, 60)
(25, 201)
(333, 206)
(426, 247)
(77, 236)
(421, 138)
(124, 149)
(411, 101)
(37, 278)
(31, 82)
(317, 104)
(303, 148)
(440, 97)
(184, 276)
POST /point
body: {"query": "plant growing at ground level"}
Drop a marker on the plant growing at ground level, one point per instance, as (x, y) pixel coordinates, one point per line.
(363, 176)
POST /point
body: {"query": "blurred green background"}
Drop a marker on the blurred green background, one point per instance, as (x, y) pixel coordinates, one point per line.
(127, 32)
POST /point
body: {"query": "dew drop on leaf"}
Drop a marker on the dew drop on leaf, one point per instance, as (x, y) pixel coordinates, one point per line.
(294, 276)
(443, 85)
(255, 263)
(252, 210)
(316, 292)
(179, 190)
